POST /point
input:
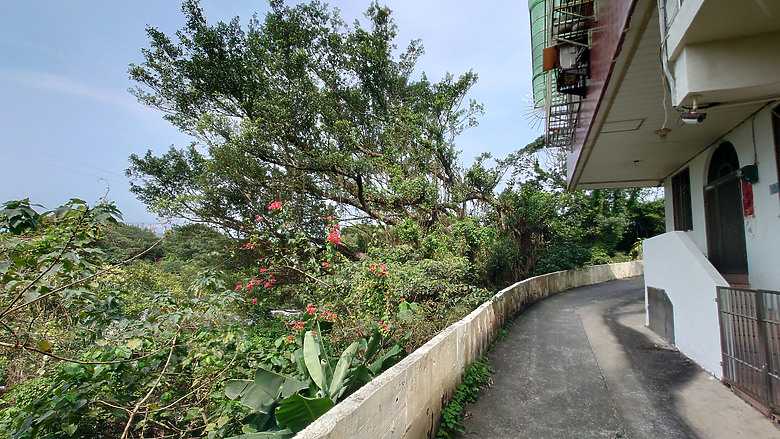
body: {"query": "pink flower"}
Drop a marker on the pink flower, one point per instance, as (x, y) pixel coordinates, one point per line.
(254, 300)
(310, 309)
(238, 287)
(262, 270)
(250, 286)
(275, 205)
(259, 218)
(249, 245)
(329, 218)
(383, 267)
(267, 284)
(334, 237)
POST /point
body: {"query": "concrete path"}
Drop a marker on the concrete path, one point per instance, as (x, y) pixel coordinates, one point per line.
(582, 364)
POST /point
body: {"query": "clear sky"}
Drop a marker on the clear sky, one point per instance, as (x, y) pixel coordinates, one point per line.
(68, 123)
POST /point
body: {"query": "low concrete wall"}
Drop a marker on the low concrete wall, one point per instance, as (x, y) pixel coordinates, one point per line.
(407, 399)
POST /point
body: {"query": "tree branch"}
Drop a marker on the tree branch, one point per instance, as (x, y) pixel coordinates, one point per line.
(151, 390)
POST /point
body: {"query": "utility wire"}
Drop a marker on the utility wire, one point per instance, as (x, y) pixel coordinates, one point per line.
(27, 148)
(63, 168)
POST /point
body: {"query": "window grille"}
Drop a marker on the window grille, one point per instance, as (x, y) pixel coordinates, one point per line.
(681, 201)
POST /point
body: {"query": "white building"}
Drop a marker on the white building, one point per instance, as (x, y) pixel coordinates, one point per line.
(683, 94)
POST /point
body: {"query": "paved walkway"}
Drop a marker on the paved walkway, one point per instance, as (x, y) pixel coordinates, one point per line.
(582, 364)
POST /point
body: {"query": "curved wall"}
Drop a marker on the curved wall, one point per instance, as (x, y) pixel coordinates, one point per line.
(407, 399)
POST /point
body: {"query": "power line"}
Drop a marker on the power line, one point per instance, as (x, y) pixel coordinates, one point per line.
(27, 148)
(64, 168)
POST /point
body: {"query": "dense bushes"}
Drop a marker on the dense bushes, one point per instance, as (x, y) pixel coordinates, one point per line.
(147, 347)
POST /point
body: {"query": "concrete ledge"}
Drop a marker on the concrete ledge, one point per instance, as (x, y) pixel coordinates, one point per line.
(407, 399)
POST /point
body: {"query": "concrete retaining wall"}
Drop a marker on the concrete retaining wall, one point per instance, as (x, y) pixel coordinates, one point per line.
(406, 400)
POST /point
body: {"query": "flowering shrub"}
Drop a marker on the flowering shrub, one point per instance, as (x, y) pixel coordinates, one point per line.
(334, 233)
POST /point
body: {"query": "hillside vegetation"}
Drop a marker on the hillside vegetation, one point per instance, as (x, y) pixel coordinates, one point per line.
(328, 229)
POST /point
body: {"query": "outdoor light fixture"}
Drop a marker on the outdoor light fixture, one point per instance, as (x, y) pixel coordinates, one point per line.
(693, 118)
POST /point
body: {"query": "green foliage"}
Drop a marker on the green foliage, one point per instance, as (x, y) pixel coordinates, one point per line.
(194, 242)
(124, 241)
(566, 256)
(288, 404)
(475, 378)
(323, 122)
(314, 111)
(18, 216)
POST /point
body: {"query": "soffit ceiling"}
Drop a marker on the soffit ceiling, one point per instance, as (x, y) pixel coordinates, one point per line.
(622, 149)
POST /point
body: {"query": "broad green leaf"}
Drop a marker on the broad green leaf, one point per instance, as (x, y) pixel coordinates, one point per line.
(44, 345)
(385, 361)
(69, 428)
(359, 377)
(373, 345)
(263, 392)
(291, 386)
(31, 295)
(311, 356)
(296, 411)
(342, 367)
(254, 422)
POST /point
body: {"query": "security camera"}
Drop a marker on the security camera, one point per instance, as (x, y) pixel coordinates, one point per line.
(693, 118)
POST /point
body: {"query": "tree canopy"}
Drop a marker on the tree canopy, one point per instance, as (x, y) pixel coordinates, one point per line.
(300, 107)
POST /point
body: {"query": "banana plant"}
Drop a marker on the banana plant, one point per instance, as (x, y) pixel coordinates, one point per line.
(286, 405)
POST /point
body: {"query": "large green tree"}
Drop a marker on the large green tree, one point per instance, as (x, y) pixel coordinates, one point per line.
(304, 108)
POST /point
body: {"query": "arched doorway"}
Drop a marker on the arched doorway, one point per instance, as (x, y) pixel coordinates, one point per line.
(726, 246)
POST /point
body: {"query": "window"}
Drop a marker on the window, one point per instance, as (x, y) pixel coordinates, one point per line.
(681, 201)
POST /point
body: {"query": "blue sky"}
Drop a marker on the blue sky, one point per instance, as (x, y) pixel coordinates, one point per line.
(68, 123)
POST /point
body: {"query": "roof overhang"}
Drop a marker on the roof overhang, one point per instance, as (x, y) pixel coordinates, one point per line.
(624, 145)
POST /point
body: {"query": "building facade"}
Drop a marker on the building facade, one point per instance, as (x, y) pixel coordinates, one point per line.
(683, 94)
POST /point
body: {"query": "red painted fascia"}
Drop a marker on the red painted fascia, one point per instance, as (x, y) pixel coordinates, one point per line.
(614, 18)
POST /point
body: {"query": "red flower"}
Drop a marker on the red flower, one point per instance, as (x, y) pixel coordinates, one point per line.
(238, 287)
(334, 237)
(254, 300)
(259, 218)
(267, 284)
(310, 309)
(249, 245)
(275, 205)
